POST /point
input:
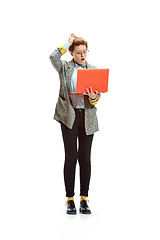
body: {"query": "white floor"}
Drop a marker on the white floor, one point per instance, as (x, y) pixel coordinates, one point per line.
(123, 197)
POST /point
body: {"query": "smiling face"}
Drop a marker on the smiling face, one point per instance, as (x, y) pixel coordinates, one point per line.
(79, 54)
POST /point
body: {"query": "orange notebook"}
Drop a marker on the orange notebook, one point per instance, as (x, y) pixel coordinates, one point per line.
(95, 78)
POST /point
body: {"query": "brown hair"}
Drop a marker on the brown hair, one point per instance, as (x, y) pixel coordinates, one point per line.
(77, 41)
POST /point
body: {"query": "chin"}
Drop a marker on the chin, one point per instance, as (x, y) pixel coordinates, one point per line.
(83, 61)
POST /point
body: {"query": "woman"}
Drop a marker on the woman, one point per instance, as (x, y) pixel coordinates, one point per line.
(77, 116)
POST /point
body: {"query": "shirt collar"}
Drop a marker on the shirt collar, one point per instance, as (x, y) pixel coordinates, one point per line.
(80, 65)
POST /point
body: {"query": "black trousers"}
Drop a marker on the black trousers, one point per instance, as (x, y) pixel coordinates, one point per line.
(82, 152)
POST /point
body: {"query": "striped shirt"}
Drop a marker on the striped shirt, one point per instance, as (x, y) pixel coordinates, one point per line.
(77, 100)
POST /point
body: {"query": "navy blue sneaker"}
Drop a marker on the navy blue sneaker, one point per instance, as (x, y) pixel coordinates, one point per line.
(71, 207)
(84, 207)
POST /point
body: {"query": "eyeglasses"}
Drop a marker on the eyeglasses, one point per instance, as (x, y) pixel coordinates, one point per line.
(84, 52)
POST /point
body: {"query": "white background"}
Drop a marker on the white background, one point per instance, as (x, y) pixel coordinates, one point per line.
(124, 191)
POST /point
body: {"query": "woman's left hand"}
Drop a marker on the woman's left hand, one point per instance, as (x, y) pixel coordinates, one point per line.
(91, 94)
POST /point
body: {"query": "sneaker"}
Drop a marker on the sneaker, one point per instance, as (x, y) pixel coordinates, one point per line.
(71, 207)
(84, 207)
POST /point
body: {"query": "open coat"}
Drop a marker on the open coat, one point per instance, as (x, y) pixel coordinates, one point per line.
(64, 111)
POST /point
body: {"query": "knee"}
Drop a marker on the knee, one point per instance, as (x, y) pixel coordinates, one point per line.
(84, 161)
(71, 159)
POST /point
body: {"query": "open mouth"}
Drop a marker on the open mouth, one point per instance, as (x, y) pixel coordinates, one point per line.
(82, 59)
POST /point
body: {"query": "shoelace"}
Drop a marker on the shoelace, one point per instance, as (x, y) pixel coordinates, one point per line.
(71, 202)
(85, 203)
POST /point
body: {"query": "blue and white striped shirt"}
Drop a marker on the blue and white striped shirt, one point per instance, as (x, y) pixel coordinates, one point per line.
(77, 100)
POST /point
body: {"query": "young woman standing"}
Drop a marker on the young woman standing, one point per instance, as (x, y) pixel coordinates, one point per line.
(77, 115)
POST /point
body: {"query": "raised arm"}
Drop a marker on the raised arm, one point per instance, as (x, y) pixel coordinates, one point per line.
(55, 57)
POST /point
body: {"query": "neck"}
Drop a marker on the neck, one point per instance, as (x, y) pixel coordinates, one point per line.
(79, 63)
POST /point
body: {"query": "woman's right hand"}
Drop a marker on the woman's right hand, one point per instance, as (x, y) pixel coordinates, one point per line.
(70, 40)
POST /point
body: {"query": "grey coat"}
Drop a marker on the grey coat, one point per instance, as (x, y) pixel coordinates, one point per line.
(64, 111)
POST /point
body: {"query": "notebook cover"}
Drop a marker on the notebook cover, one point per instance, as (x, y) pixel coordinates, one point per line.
(95, 78)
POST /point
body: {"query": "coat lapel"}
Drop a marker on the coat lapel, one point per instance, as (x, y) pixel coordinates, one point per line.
(87, 65)
(69, 73)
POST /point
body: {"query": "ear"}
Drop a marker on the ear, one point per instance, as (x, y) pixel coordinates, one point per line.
(71, 53)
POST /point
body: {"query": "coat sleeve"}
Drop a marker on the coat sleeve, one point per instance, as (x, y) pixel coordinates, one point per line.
(55, 58)
(96, 101)
(99, 95)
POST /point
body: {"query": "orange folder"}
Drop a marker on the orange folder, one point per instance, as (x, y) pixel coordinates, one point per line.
(95, 78)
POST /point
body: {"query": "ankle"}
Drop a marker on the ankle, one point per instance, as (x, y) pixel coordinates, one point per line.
(70, 198)
(83, 198)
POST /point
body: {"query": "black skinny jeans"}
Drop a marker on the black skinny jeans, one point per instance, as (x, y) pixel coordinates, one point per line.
(83, 154)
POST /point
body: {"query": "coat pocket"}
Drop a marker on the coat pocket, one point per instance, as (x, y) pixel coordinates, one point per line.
(61, 107)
